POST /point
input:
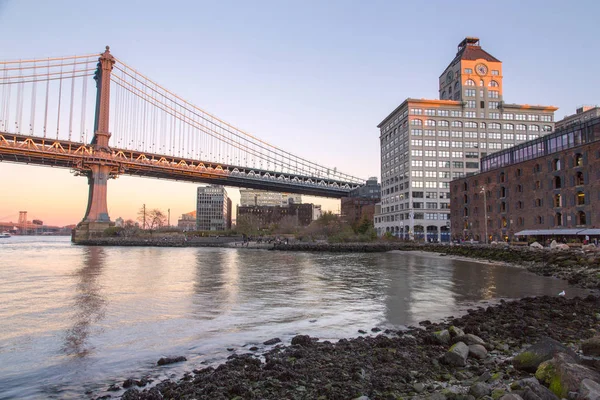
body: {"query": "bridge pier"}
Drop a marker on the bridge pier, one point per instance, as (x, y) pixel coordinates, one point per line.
(96, 218)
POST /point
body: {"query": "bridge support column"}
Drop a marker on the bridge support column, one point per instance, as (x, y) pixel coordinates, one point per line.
(96, 218)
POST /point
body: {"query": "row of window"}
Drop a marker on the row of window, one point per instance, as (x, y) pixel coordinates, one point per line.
(495, 72)
(483, 125)
(457, 113)
(415, 216)
(581, 219)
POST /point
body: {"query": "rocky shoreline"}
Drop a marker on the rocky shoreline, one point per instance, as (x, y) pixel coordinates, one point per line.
(484, 354)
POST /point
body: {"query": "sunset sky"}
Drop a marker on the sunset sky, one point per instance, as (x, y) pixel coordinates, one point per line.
(311, 77)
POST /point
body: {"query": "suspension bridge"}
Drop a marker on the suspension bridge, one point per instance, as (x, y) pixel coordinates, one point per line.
(139, 128)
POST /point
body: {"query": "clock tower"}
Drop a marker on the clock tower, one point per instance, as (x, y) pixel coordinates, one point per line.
(474, 76)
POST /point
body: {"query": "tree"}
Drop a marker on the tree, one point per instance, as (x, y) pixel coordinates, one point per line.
(248, 224)
(156, 219)
(142, 217)
(130, 228)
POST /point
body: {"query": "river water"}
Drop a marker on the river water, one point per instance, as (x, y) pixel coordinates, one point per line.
(75, 320)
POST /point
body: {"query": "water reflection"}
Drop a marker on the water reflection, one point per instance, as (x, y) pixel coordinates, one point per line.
(89, 303)
(216, 282)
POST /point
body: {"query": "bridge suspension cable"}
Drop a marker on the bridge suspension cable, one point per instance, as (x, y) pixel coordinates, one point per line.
(148, 117)
(41, 96)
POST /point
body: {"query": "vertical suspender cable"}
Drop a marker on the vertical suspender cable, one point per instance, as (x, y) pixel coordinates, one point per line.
(19, 101)
(83, 104)
(59, 98)
(3, 103)
(72, 99)
(33, 101)
(47, 95)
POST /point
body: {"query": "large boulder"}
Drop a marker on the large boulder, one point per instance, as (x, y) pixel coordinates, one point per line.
(589, 390)
(529, 359)
(480, 389)
(469, 339)
(534, 390)
(553, 244)
(457, 355)
(591, 347)
(536, 245)
(455, 331)
(563, 374)
(589, 247)
(477, 351)
(442, 337)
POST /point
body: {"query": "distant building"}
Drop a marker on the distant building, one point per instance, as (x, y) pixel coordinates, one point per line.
(253, 197)
(582, 114)
(267, 215)
(426, 143)
(213, 209)
(361, 201)
(187, 222)
(549, 186)
(317, 212)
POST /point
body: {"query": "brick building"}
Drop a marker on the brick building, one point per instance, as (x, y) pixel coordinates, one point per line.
(549, 186)
(267, 215)
(361, 201)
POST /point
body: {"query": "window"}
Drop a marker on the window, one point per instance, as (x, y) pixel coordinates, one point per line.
(534, 128)
(533, 117)
(520, 188)
(430, 143)
(521, 117)
(469, 82)
(457, 164)
(547, 128)
(416, 174)
(557, 182)
(457, 124)
(470, 114)
(416, 163)
(457, 154)
(416, 184)
(416, 122)
(537, 185)
(558, 220)
(468, 71)
(471, 154)
(471, 164)
(521, 127)
(493, 104)
(442, 113)
(430, 112)
(470, 124)
(494, 115)
(481, 82)
(508, 136)
(416, 132)
(494, 94)
(509, 127)
(557, 200)
(578, 160)
(416, 111)
(429, 132)
(494, 125)
(493, 84)
(456, 113)
(581, 218)
(580, 198)
(538, 202)
(521, 137)
(495, 72)
(556, 164)
(579, 179)
(457, 134)
(443, 123)
(470, 104)
(443, 143)
(429, 122)
(470, 92)
(508, 116)
(519, 205)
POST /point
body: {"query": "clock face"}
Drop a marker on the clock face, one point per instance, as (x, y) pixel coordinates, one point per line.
(449, 77)
(481, 69)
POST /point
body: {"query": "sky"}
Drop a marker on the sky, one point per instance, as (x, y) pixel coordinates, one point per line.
(312, 77)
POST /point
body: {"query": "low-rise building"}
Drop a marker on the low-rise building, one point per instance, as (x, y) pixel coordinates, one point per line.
(187, 222)
(264, 216)
(361, 201)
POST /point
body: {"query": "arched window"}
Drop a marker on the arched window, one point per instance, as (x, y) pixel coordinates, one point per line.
(556, 164)
(457, 124)
(557, 182)
(547, 128)
(482, 125)
(502, 191)
(469, 82)
(580, 198)
(579, 179)
(466, 212)
(430, 122)
(502, 177)
(417, 122)
(443, 123)
(578, 160)
(534, 128)
(558, 219)
(557, 200)
(465, 186)
(581, 219)
(466, 198)
(456, 86)
(444, 95)
(494, 125)
(493, 84)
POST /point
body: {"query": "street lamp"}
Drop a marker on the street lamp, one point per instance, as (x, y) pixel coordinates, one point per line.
(482, 191)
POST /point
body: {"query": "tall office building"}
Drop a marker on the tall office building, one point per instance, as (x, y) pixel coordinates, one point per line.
(427, 143)
(253, 197)
(213, 210)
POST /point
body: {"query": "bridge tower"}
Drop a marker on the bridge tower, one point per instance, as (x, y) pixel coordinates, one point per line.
(99, 168)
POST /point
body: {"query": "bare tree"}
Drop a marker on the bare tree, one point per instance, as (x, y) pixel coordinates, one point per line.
(248, 224)
(156, 219)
